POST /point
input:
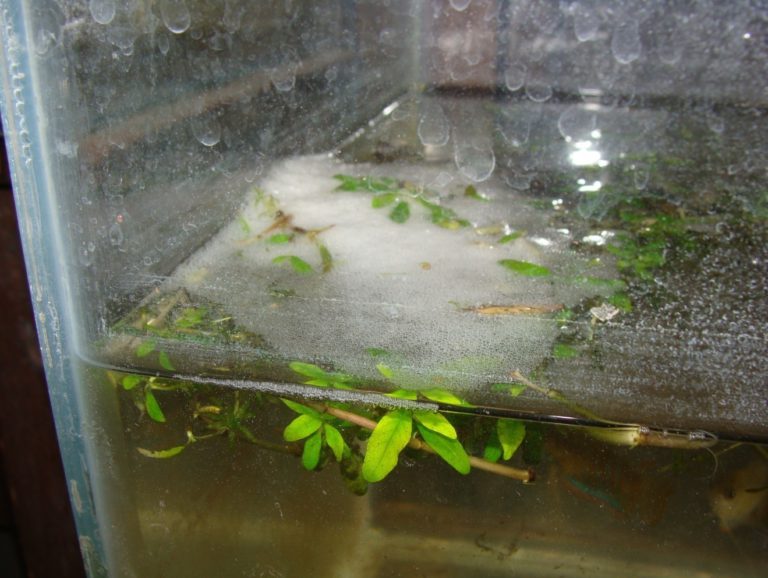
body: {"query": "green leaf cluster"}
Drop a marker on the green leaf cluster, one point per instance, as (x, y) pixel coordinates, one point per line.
(318, 431)
(390, 192)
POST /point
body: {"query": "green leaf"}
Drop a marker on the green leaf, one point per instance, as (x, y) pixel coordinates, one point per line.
(280, 238)
(383, 200)
(326, 259)
(492, 451)
(400, 213)
(191, 317)
(165, 361)
(130, 381)
(622, 301)
(324, 382)
(145, 348)
(442, 216)
(513, 389)
(524, 268)
(563, 351)
(450, 450)
(511, 433)
(299, 265)
(310, 457)
(162, 454)
(436, 422)
(389, 438)
(443, 396)
(385, 370)
(308, 370)
(376, 352)
(403, 394)
(375, 184)
(334, 440)
(152, 407)
(511, 237)
(244, 224)
(299, 408)
(472, 193)
(303, 426)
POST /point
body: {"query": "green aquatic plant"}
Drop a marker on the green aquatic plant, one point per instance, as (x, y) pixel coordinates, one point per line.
(395, 430)
(388, 192)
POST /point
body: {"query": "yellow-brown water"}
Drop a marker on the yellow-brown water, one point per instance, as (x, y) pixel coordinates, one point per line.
(231, 508)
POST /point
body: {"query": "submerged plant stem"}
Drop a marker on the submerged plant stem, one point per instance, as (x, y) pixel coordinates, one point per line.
(417, 444)
(294, 450)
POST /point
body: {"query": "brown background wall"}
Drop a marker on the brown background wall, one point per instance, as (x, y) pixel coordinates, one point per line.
(37, 533)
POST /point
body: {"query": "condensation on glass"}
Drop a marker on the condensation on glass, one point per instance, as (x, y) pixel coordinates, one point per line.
(539, 212)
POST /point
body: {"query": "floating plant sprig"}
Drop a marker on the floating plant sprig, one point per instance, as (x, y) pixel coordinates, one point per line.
(283, 231)
(624, 433)
(400, 195)
(397, 429)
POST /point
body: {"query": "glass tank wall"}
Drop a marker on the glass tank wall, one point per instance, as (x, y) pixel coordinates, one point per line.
(377, 289)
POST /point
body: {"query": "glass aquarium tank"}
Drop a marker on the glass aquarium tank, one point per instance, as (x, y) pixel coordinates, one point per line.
(373, 289)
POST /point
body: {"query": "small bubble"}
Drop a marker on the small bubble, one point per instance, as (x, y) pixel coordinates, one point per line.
(715, 123)
(116, 235)
(163, 43)
(102, 11)
(207, 130)
(625, 43)
(586, 21)
(460, 5)
(284, 77)
(474, 161)
(85, 257)
(514, 76)
(175, 15)
(641, 175)
(577, 123)
(538, 92)
(434, 128)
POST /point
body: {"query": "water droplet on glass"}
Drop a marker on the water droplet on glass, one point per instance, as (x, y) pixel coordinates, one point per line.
(441, 181)
(434, 128)
(175, 15)
(102, 11)
(515, 126)
(514, 76)
(577, 123)
(207, 130)
(586, 21)
(163, 43)
(66, 148)
(46, 37)
(715, 123)
(122, 36)
(641, 175)
(255, 168)
(460, 5)
(475, 161)
(232, 16)
(625, 43)
(116, 235)
(669, 45)
(538, 92)
(284, 77)
(84, 256)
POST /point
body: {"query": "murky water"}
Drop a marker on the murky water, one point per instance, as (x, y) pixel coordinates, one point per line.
(226, 505)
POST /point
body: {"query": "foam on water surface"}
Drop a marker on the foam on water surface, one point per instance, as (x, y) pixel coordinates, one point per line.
(407, 289)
